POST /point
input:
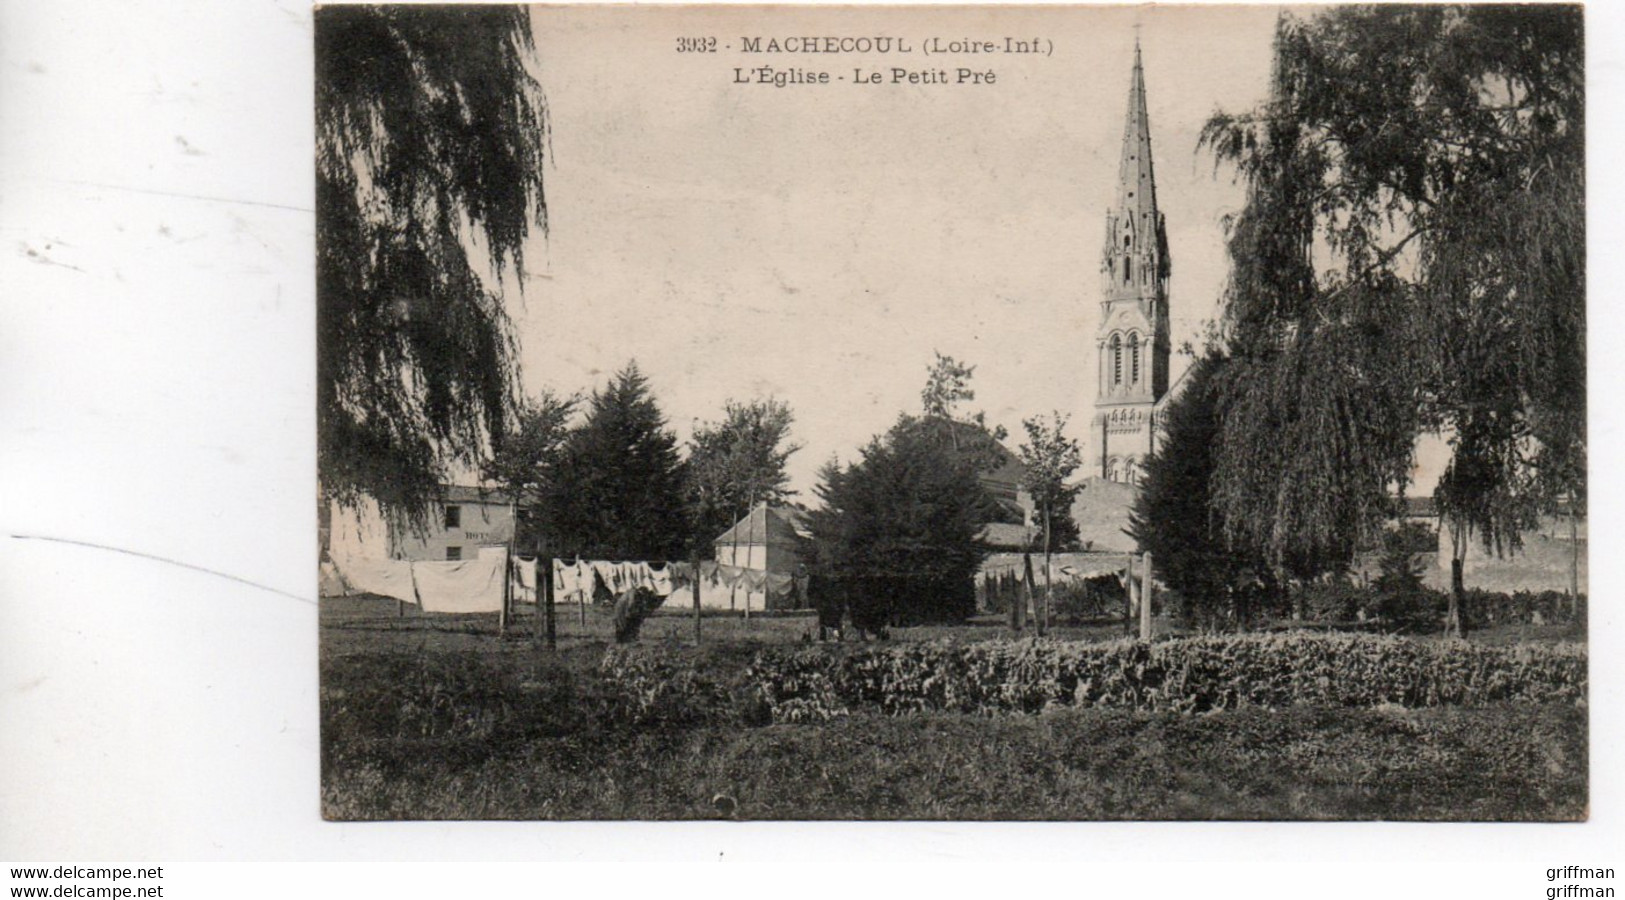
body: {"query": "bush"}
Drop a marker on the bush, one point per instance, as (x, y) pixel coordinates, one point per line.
(1189, 675)
(1485, 608)
(1337, 601)
(652, 688)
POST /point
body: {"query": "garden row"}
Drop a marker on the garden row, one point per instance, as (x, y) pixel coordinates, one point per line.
(1187, 675)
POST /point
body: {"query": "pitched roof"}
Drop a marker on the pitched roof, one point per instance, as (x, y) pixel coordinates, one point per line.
(776, 525)
(1009, 473)
(458, 493)
(1003, 534)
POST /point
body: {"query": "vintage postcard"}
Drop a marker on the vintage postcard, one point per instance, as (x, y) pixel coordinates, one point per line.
(952, 413)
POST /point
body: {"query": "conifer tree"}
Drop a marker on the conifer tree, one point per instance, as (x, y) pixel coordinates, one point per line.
(1173, 517)
(618, 491)
(905, 519)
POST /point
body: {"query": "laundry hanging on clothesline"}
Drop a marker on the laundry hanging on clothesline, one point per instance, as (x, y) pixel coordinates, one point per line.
(454, 586)
(385, 577)
(461, 586)
(525, 586)
(576, 581)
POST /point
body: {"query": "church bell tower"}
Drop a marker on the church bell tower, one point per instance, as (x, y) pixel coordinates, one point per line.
(1133, 335)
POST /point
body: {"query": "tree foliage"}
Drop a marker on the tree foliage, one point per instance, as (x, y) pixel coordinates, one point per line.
(1411, 256)
(430, 138)
(738, 462)
(1051, 457)
(947, 385)
(1173, 517)
(618, 489)
(964, 435)
(527, 458)
(910, 508)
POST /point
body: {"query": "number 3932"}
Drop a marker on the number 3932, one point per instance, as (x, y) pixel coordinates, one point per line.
(696, 45)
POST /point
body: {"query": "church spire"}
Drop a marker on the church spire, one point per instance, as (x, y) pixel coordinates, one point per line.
(1135, 258)
(1136, 185)
(1132, 341)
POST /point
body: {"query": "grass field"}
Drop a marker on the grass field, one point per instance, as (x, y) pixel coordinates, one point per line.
(444, 719)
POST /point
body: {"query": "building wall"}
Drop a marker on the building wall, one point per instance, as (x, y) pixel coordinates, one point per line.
(762, 557)
(479, 525)
(1126, 435)
(361, 532)
(364, 533)
(1543, 564)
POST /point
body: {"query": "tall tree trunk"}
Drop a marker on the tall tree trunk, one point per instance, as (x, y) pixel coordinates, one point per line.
(1455, 624)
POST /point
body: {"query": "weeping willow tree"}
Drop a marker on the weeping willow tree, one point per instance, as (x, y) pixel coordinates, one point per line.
(1410, 257)
(430, 137)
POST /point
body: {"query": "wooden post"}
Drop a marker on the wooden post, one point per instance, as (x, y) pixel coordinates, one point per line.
(1049, 589)
(541, 602)
(695, 577)
(581, 596)
(507, 566)
(1027, 590)
(1015, 607)
(750, 547)
(733, 560)
(1131, 591)
(1145, 599)
(548, 613)
(507, 590)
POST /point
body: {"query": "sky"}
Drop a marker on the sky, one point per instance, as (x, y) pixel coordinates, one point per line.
(817, 243)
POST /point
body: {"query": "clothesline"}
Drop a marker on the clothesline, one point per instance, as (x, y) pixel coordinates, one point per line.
(576, 580)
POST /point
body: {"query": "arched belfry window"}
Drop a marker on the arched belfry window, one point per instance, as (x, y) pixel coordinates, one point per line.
(1134, 359)
(1117, 360)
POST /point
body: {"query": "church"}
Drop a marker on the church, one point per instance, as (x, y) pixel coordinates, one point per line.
(1132, 341)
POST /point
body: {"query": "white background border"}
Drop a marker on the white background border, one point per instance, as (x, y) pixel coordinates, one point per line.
(156, 396)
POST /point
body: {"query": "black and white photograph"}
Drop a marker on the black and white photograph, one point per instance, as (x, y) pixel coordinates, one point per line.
(952, 413)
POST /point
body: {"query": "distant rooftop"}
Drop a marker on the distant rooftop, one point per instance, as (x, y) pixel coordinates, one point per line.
(776, 525)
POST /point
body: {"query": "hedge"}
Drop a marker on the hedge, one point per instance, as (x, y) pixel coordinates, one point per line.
(1189, 675)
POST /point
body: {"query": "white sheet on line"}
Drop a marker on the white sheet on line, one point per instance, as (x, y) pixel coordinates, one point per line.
(385, 577)
(463, 586)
